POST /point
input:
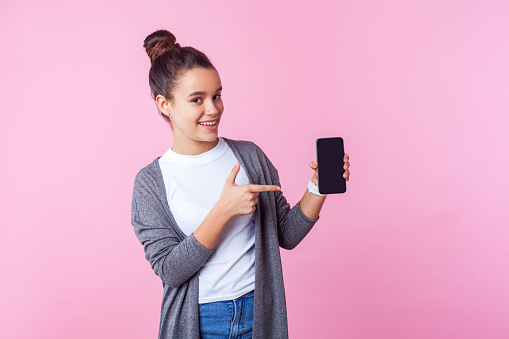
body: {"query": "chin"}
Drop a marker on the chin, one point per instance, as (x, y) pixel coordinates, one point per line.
(209, 138)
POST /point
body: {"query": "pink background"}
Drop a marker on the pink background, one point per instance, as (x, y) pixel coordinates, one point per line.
(416, 248)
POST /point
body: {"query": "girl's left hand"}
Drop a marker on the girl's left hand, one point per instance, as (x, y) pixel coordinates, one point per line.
(346, 166)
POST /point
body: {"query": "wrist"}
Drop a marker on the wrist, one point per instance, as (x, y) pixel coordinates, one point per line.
(222, 210)
(313, 188)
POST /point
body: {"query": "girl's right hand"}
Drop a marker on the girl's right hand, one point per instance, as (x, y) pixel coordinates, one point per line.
(241, 199)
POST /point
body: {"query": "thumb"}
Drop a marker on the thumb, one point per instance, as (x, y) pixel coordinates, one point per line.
(233, 174)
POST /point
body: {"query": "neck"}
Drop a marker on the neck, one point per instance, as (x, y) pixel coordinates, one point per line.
(193, 148)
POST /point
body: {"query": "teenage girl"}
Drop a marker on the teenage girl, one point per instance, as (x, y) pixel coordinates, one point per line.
(210, 212)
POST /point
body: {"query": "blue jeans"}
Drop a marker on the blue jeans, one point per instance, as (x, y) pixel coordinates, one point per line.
(229, 319)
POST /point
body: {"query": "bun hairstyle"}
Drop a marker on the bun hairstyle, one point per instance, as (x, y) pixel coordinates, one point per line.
(159, 42)
(169, 62)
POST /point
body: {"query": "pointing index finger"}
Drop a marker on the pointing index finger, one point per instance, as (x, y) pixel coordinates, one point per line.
(263, 188)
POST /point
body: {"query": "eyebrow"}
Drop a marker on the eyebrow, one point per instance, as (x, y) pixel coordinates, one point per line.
(203, 93)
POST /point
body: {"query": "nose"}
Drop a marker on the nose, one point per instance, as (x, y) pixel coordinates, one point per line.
(211, 108)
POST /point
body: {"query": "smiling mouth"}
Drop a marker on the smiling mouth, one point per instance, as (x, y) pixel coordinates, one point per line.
(212, 123)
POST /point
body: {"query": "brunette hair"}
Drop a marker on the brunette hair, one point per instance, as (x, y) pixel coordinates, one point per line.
(169, 62)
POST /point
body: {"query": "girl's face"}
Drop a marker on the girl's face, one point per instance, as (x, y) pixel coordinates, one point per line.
(195, 111)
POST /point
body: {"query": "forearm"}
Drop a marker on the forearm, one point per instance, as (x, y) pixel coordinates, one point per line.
(212, 226)
(177, 263)
(311, 204)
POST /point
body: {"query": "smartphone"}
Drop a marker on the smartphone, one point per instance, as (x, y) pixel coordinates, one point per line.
(329, 154)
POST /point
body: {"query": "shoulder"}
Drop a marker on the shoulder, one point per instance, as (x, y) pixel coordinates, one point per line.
(244, 146)
(252, 154)
(148, 175)
(240, 144)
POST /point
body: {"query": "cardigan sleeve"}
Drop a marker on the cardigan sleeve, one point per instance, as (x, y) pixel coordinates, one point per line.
(174, 260)
(292, 224)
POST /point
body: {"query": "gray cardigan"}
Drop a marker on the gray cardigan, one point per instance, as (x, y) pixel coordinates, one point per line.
(177, 258)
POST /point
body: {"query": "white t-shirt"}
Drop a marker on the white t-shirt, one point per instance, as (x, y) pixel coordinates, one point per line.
(193, 186)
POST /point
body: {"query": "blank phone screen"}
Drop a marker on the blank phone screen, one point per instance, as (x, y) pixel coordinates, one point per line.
(330, 153)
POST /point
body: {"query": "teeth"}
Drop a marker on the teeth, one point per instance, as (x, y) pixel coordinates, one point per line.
(208, 123)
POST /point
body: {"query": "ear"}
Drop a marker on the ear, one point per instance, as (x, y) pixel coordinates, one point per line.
(164, 105)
